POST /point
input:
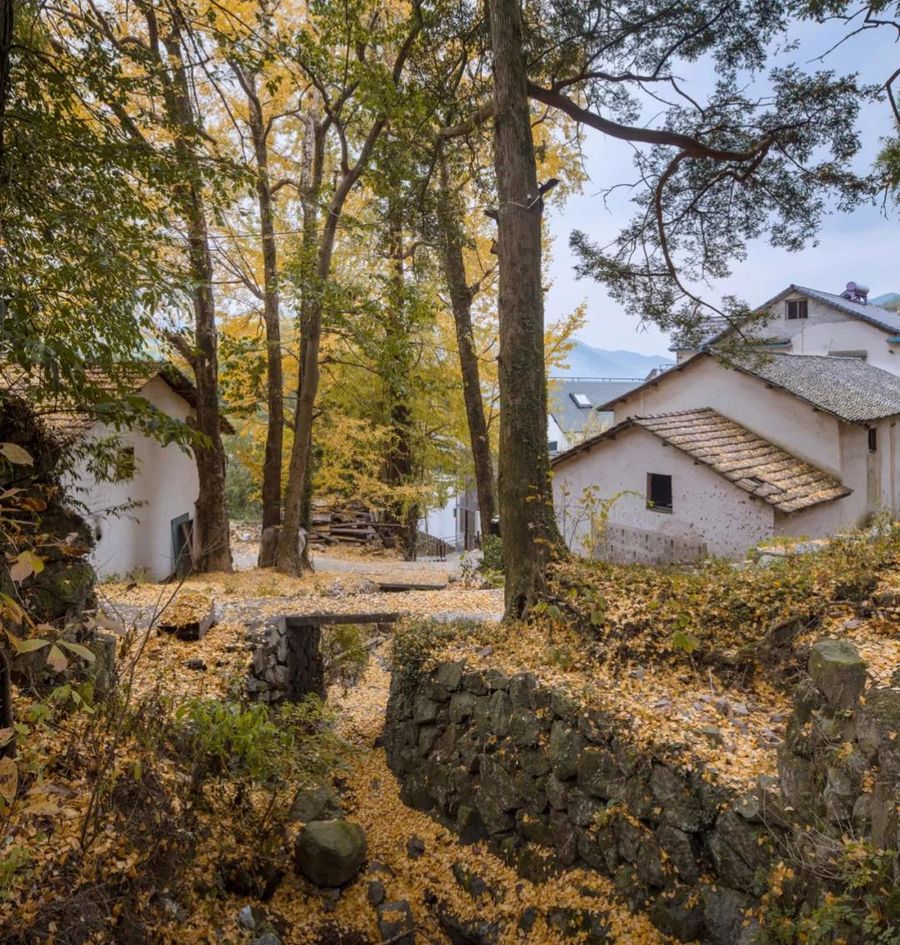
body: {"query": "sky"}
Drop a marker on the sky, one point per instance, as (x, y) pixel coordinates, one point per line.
(863, 246)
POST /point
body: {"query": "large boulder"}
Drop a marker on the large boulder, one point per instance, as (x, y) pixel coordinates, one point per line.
(330, 852)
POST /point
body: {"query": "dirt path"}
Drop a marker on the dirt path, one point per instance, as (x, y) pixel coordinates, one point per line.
(429, 883)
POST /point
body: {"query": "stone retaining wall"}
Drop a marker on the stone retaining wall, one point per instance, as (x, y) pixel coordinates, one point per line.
(286, 660)
(554, 784)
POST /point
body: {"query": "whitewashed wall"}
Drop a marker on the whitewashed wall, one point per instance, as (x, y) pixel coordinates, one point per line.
(165, 482)
(826, 330)
(555, 433)
(821, 439)
(705, 505)
(829, 330)
(778, 417)
(441, 522)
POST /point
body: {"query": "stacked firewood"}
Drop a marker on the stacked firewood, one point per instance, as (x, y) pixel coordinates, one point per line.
(351, 524)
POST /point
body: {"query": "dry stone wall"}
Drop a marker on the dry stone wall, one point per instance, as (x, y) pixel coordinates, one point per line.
(555, 784)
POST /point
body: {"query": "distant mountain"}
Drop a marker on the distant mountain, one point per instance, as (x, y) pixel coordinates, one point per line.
(889, 300)
(588, 361)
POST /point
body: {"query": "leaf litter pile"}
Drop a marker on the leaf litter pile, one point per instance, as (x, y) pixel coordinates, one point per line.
(136, 819)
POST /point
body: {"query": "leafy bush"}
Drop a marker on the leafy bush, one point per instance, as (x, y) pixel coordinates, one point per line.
(861, 906)
(492, 553)
(417, 641)
(294, 741)
(344, 652)
(716, 610)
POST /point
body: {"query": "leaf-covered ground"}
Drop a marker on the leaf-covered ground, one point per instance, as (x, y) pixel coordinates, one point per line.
(698, 664)
(152, 866)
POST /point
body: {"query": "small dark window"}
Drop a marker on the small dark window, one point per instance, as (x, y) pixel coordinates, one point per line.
(873, 440)
(552, 446)
(659, 492)
(797, 308)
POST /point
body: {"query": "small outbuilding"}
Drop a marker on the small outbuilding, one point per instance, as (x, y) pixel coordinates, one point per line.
(143, 523)
(711, 458)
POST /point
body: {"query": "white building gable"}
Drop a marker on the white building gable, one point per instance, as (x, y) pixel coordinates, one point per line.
(801, 320)
(837, 415)
(154, 503)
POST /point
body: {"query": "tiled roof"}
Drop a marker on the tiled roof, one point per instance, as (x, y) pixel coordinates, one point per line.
(875, 314)
(850, 388)
(751, 463)
(573, 419)
(714, 329)
(70, 421)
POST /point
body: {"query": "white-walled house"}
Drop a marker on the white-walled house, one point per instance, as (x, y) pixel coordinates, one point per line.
(572, 405)
(457, 522)
(800, 320)
(145, 522)
(712, 459)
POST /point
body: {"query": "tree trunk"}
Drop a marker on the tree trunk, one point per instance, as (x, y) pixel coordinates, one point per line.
(530, 533)
(271, 485)
(290, 558)
(451, 248)
(211, 536)
(397, 374)
(211, 532)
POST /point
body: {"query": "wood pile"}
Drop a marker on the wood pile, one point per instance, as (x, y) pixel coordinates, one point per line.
(355, 525)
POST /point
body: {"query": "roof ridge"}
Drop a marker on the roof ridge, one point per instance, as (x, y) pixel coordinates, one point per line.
(747, 459)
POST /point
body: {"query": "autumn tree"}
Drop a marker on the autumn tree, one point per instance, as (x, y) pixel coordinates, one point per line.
(450, 239)
(352, 108)
(527, 519)
(262, 102)
(79, 289)
(161, 52)
(261, 128)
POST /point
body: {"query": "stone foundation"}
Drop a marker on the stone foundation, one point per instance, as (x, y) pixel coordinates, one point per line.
(555, 784)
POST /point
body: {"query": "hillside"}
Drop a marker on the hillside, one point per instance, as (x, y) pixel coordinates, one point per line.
(889, 300)
(587, 361)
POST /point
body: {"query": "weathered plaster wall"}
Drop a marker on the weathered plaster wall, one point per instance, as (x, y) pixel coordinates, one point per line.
(778, 417)
(553, 784)
(825, 331)
(165, 482)
(828, 330)
(707, 509)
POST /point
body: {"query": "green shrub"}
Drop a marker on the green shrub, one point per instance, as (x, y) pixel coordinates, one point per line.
(255, 743)
(638, 612)
(492, 553)
(417, 641)
(344, 652)
(861, 904)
